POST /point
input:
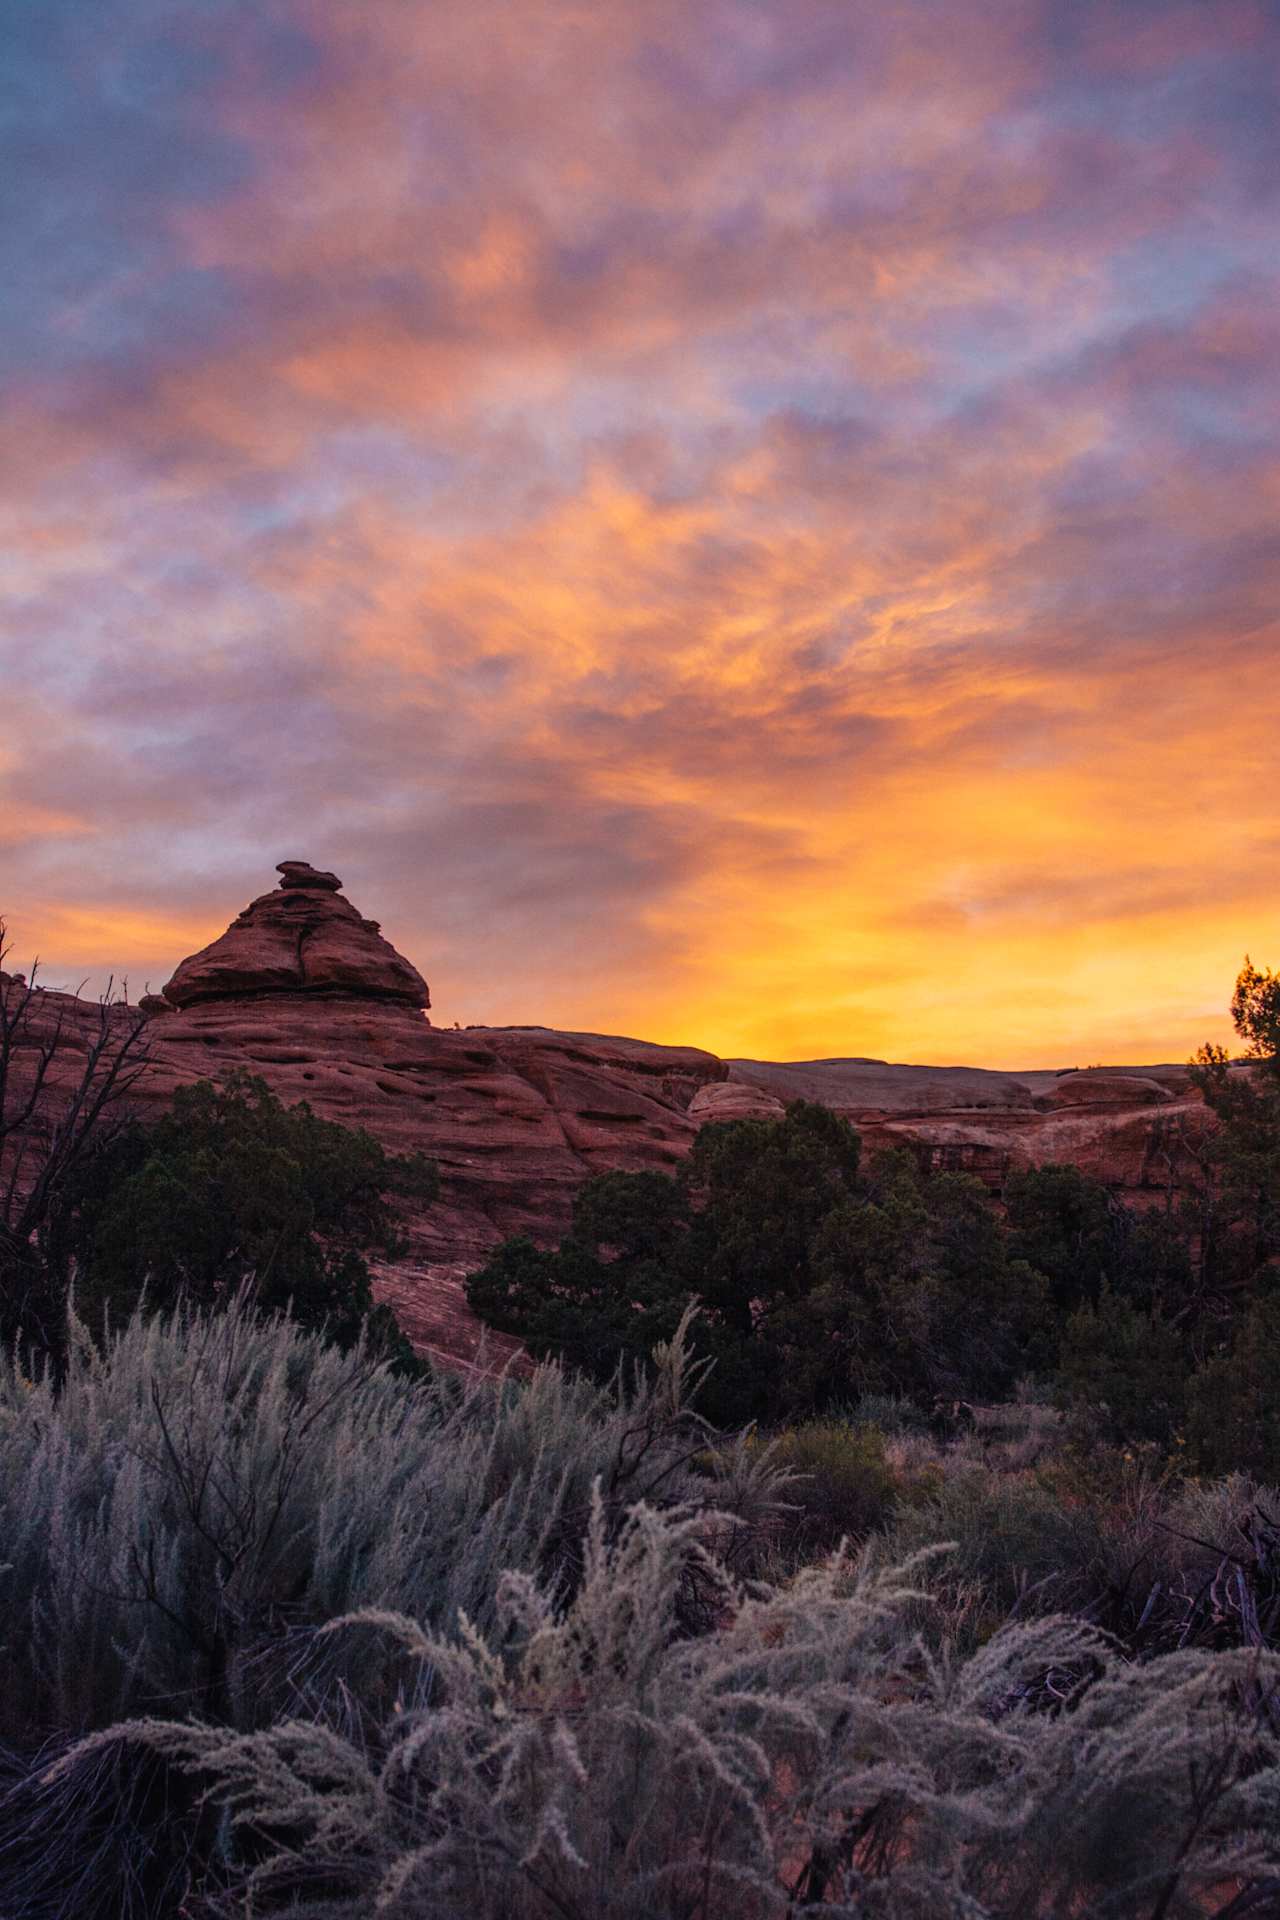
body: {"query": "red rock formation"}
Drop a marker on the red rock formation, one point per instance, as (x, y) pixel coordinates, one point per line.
(734, 1100)
(302, 938)
(304, 992)
(1139, 1130)
(517, 1118)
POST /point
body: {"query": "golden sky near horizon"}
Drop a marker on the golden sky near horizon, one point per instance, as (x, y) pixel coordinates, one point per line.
(735, 523)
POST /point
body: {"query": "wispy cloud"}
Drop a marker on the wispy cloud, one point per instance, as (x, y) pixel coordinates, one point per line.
(749, 525)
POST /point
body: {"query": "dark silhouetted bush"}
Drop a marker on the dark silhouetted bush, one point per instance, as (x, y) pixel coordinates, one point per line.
(844, 1489)
(230, 1190)
(819, 1281)
(1128, 1366)
(1233, 1400)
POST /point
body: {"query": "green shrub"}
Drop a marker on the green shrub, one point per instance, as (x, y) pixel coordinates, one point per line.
(820, 1282)
(844, 1486)
(1241, 1204)
(1211, 1573)
(1085, 1241)
(1127, 1367)
(181, 1513)
(1233, 1405)
(733, 1229)
(1179, 1563)
(891, 1413)
(1016, 1546)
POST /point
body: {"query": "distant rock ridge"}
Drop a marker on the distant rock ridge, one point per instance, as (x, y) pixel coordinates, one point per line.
(304, 937)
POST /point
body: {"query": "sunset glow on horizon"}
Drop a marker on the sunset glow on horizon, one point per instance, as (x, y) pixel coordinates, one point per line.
(744, 524)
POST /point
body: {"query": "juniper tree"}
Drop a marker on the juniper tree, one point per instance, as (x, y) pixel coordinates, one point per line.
(230, 1190)
(818, 1279)
(1245, 1149)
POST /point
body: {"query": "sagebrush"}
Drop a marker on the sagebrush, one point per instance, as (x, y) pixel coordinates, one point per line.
(811, 1755)
(201, 1492)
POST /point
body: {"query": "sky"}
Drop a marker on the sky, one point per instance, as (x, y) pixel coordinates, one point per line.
(752, 523)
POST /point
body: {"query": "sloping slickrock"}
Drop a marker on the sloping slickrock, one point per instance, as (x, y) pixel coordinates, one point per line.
(1110, 1089)
(515, 1118)
(732, 1100)
(1142, 1154)
(305, 937)
(876, 1086)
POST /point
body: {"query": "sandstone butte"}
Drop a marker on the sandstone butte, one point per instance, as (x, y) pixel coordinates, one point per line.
(304, 991)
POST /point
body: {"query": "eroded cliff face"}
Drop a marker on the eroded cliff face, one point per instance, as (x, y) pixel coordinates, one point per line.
(305, 992)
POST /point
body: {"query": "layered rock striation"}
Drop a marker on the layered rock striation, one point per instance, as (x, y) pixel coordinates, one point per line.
(303, 937)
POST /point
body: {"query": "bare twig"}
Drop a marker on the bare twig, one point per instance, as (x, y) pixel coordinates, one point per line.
(67, 1066)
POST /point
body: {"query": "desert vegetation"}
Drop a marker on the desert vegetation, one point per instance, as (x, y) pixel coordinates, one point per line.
(826, 1280)
(230, 1192)
(62, 1091)
(285, 1633)
(859, 1544)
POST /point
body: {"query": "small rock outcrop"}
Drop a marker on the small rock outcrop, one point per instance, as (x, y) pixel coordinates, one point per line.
(733, 1100)
(1110, 1090)
(300, 876)
(304, 937)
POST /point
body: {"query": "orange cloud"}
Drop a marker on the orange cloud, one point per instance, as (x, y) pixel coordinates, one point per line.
(746, 527)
